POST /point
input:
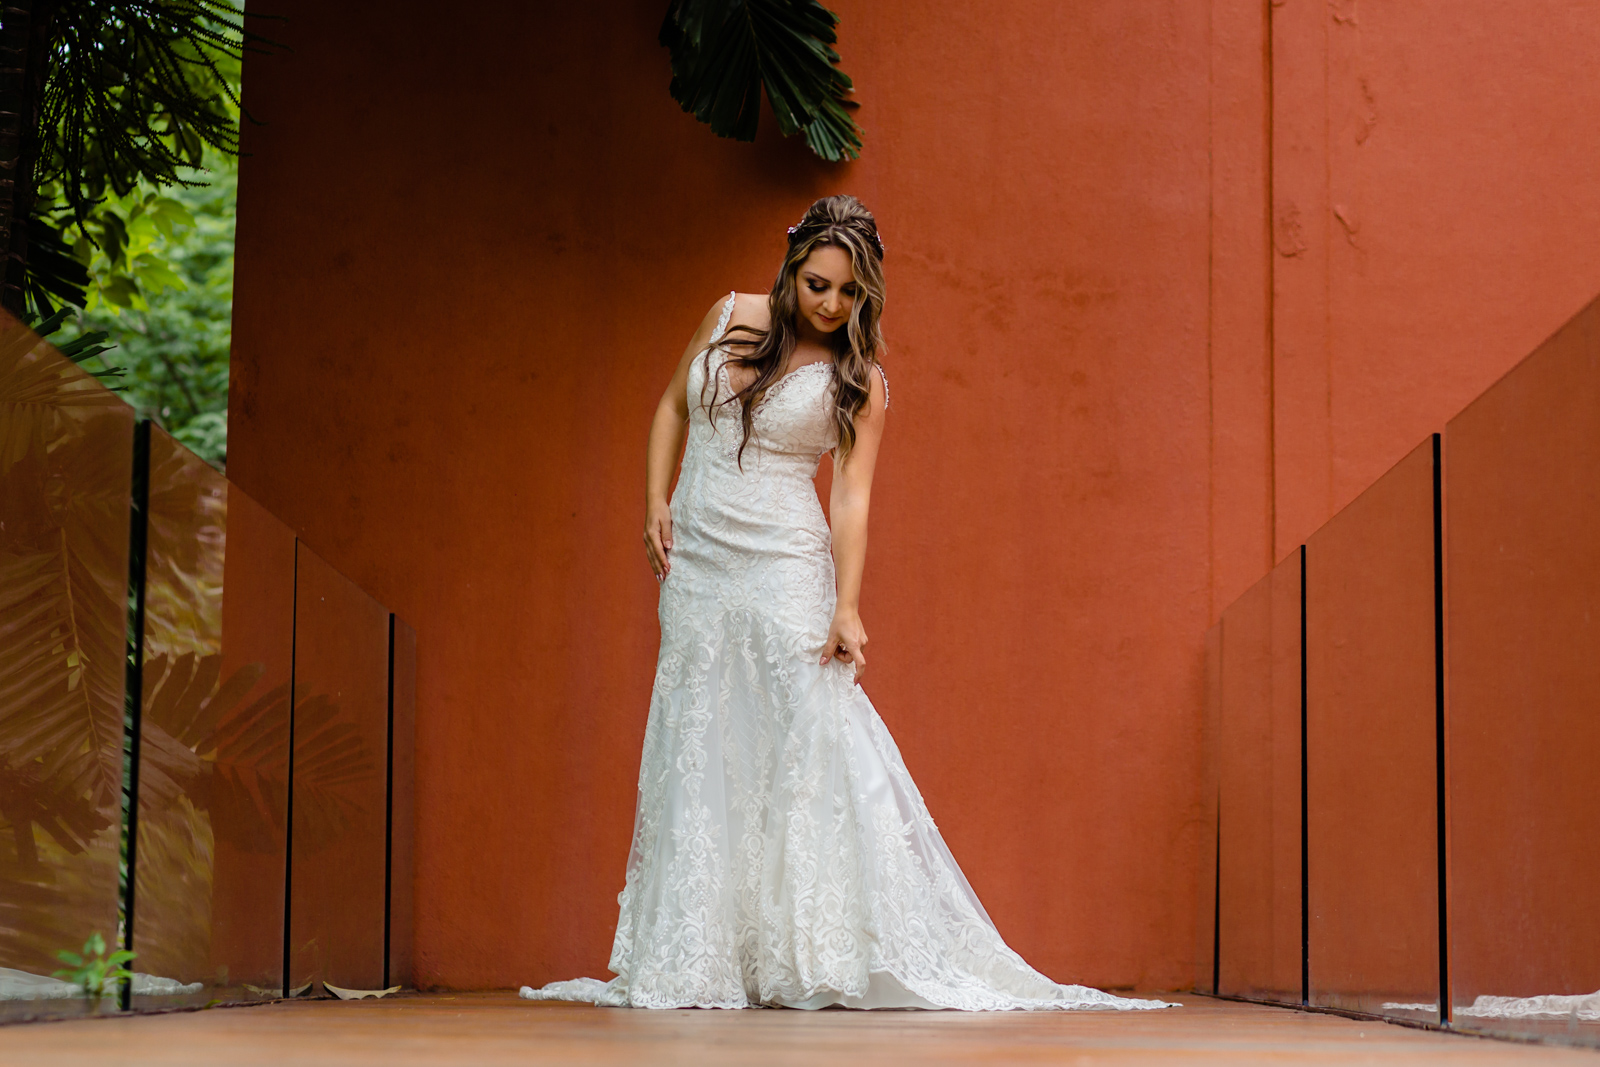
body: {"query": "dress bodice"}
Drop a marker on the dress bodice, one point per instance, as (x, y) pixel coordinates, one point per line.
(792, 425)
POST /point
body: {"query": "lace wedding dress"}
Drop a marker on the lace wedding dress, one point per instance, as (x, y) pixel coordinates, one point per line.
(781, 854)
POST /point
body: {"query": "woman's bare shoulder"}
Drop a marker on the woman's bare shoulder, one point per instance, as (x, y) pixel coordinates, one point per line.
(750, 309)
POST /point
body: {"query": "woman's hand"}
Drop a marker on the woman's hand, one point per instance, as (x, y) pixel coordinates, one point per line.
(847, 639)
(658, 537)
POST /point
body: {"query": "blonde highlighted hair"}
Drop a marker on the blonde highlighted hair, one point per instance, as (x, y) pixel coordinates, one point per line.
(840, 221)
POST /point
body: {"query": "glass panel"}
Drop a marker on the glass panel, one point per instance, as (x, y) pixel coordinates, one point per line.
(339, 814)
(214, 755)
(1285, 980)
(66, 469)
(1205, 928)
(1524, 463)
(1372, 772)
(1259, 942)
(402, 801)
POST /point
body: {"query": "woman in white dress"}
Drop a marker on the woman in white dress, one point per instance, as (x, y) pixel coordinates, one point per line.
(782, 856)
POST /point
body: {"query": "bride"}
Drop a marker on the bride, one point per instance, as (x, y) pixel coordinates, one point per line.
(782, 856)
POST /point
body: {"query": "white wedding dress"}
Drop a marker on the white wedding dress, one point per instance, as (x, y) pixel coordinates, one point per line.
(781, 854)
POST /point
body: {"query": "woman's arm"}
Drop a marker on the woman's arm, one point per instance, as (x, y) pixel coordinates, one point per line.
(847, 510)
(666, 447)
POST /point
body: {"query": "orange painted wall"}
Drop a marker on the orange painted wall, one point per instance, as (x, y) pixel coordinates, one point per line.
(1404, 198)
(469, 253)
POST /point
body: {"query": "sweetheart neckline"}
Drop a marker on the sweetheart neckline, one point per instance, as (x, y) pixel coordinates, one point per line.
(722, 370)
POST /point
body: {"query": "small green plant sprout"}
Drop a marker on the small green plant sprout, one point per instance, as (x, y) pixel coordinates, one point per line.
(93, 970)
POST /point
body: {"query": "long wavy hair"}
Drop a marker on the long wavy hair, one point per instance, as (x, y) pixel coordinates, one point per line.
(843, 222)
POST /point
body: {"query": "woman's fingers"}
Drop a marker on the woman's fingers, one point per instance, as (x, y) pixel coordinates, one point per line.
(845, 650)
(831, 647)
(655, 553)
(658, 538)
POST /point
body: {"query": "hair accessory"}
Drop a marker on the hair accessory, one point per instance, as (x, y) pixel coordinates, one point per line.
(876, 237)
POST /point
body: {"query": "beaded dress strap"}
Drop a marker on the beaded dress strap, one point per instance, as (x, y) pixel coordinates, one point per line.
(885, 376)
(722, 321)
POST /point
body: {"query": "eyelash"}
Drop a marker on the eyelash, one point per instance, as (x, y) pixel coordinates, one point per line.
(823, 288)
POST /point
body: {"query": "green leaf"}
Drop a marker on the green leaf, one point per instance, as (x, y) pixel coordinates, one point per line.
(168, 213)
(154, 275)
(69, 957)
(121, 290)
(113, 235)
(726, 52)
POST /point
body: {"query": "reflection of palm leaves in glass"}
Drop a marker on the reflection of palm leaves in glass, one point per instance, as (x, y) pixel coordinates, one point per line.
(213, 767)
(232, 761)
(330, 759)
(203, 743)
(185, 704)
(64, 479)
(187, 537)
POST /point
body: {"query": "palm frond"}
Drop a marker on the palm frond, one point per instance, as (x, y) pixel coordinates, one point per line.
(725, 52)
(55, 276)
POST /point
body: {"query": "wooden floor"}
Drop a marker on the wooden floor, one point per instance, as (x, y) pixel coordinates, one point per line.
(497, 1028)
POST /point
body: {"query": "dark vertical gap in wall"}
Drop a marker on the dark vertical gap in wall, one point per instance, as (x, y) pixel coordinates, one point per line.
(1438, 726)
(138, 545)
(1216, 904)
(1305, 810)
(388, 818)
(288, 815)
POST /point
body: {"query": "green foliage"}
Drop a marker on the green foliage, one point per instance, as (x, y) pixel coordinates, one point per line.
(724, 52)
(140, 96)
(161, 292)
(92, 969)
(137, 92)
(133, 218)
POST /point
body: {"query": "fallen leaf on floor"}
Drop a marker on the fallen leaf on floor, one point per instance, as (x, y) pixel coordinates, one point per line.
(358, 994)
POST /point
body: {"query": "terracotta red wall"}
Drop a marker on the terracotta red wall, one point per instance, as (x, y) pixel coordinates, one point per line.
(1404, 203)
(1132, 365)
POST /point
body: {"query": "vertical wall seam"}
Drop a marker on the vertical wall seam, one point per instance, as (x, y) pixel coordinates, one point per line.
(1211, 313)
(1326, 209)
(1271, 327)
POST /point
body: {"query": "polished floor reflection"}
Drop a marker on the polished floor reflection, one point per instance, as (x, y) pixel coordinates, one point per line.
(497, 1028)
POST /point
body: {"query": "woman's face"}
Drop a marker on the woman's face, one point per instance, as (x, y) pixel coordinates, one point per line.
(826, 288)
